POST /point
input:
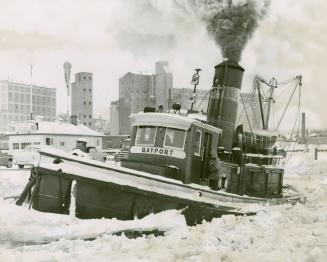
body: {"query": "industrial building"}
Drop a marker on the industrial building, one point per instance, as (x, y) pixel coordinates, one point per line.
(82, 98)
(15, 103)
(137, 91)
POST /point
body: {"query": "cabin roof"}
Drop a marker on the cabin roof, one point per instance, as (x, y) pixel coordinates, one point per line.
(61, 128)
(170, 120)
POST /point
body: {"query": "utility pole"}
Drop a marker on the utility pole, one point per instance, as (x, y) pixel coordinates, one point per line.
(195, 82)
(67, 68)
(31, 87)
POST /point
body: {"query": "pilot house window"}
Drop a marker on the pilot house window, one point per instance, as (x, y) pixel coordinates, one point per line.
(197, 142)
(145, 135)
(174, 138)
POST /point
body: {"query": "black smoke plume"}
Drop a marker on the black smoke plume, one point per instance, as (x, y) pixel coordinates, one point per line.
(231, 24)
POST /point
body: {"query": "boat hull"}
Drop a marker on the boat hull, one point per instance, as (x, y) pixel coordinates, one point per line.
(97, 199)
(90, 189)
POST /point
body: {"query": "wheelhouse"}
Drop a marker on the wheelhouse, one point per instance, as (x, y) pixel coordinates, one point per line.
(171, 145)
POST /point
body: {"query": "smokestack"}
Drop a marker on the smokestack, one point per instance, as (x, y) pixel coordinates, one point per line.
(224, 98)
(303, 139)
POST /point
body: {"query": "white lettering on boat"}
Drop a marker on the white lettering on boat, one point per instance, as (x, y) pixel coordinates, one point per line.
(158, 151)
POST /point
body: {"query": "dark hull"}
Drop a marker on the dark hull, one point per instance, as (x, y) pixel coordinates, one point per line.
(97, 199)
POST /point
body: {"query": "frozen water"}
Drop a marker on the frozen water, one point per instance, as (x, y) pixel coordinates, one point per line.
(276, 233)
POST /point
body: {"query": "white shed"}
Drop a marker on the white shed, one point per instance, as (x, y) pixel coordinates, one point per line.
(60, 135)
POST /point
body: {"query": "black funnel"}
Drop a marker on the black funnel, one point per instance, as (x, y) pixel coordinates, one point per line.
(224, 100)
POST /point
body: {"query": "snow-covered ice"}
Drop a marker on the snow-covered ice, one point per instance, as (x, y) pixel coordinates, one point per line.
(276, 233)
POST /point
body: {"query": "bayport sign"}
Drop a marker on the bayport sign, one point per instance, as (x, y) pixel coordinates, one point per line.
(158, 151)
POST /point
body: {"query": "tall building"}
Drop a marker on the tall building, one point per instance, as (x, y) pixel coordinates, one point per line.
(82, 98)
(162, 84)
(137, 91)
(114, 118)
(15, 103)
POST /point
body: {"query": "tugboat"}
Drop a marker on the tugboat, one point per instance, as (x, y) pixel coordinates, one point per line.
(168, 166)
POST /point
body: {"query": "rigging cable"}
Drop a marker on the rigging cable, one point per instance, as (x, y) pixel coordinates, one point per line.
(202, 100)
(287, 81)
(256, 120)
(297, 120)
(241, 114)
(297, 135)
(251, 130)
(287, 105)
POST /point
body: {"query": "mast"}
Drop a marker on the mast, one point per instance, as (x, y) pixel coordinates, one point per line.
(195, 82)
(260, 103)
(273, 85)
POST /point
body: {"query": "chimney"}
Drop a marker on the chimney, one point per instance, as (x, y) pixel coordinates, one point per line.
(223, 100)
(303, 138)
(73, 120)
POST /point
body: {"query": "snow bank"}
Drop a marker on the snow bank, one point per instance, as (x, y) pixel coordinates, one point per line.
(275, 234)
(12, 182)
(30, 226)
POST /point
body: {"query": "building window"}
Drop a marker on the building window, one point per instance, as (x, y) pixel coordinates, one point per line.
(90, 116)
(49, 141)
(98, 142)
(84, 116)
(84, 124)
(15, 145)
(84, 77)
(23, 145)
(90, 123)
(85, 103)
(90, 78)
(84, 89)
(90, 103)
(62, 143)
(90, 90)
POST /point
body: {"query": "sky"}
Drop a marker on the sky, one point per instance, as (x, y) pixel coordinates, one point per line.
(111, 37)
